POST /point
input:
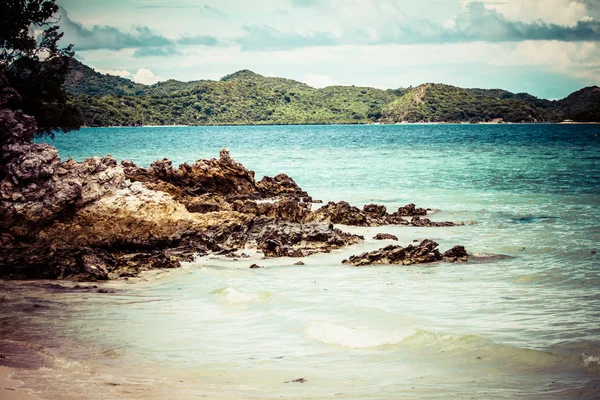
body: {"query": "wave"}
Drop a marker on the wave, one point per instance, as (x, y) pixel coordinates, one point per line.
(468, 348)
(234, 296)
(355, 337)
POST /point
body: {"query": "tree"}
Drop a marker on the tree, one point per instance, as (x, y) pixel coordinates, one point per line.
(34, 64)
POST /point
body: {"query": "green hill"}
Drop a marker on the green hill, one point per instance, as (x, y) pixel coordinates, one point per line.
(245, 97)
(443, 103)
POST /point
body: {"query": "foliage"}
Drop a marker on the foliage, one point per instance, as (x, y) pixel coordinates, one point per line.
(240, 98)
(245, 97)
(443, 103)
(34, 64)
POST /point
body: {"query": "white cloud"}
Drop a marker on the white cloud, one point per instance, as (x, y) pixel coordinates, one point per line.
(561, 12)
(319, 81)
(146, 77)
(123, 73)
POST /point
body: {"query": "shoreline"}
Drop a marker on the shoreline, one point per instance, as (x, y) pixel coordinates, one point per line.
(343, 124)
(11, 389)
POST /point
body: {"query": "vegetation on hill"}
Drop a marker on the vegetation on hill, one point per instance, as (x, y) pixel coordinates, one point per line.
(443, 103)
(245, 97)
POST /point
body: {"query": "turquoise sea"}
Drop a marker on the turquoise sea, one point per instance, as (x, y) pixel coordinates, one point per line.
(526, 327)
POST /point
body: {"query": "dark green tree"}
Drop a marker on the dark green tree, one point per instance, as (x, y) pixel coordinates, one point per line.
(34, 64)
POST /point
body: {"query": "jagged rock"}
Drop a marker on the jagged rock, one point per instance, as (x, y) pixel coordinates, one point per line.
(385, 236)
(375, 211)
(425, 252)
(222, 175)
(254, 266)
(338, 213)
(455, 254)
(290, 239)
(410, 210)
(290, 210)
(282, 186)
(286, 209)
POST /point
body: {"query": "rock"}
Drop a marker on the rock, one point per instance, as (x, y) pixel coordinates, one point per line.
(289, 239)
(418, 221)
(205, 204)
(95, 266)
(282, 186)
(455, 254)
(254, 266)
(221, 175)
(425, 252)
(375, 210)
(299, 380)
(338, 213)
(298, 263)
(385, 236)
(410, 210)
(286, 209)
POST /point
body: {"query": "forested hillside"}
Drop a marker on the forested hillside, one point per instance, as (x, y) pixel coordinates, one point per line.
(245, 97)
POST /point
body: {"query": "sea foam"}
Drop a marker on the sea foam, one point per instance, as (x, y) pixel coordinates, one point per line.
(354, 337)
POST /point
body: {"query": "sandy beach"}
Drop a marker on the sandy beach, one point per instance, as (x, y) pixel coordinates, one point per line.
(11, 389)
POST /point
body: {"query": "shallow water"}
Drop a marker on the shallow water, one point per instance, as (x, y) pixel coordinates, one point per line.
(518, 327)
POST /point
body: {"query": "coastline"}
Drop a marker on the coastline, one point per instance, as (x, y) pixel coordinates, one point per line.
(341, 124)
(12, 389)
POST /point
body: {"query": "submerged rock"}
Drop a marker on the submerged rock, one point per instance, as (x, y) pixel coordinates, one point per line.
(425, 252)
(385, 236)
(418, 221)
(372, 215)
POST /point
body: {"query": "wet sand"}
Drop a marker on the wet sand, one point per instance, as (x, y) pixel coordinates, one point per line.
(10, 389)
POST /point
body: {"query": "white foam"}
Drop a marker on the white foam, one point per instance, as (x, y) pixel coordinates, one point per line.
(590, 361)
(355, 337)
(234, 296)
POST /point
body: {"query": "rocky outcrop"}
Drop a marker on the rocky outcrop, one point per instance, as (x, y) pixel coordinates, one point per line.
(372, 215)
(282, 186)
(385, 236)
(425, 252)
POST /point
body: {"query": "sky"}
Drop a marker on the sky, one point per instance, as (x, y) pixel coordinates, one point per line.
(548, 48)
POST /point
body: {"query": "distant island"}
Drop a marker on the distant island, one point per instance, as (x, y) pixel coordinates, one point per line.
(247, 98)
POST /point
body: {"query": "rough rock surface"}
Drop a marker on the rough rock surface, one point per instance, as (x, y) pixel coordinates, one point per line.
(282, 186)
(410, 210)
(385, 236)
(339, 213)
(425, 252)
(289, 239)
(372, 215)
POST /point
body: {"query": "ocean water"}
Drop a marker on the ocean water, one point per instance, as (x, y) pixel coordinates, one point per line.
(526, 326)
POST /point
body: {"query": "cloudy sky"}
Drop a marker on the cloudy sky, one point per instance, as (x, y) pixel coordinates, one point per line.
(545, 47)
